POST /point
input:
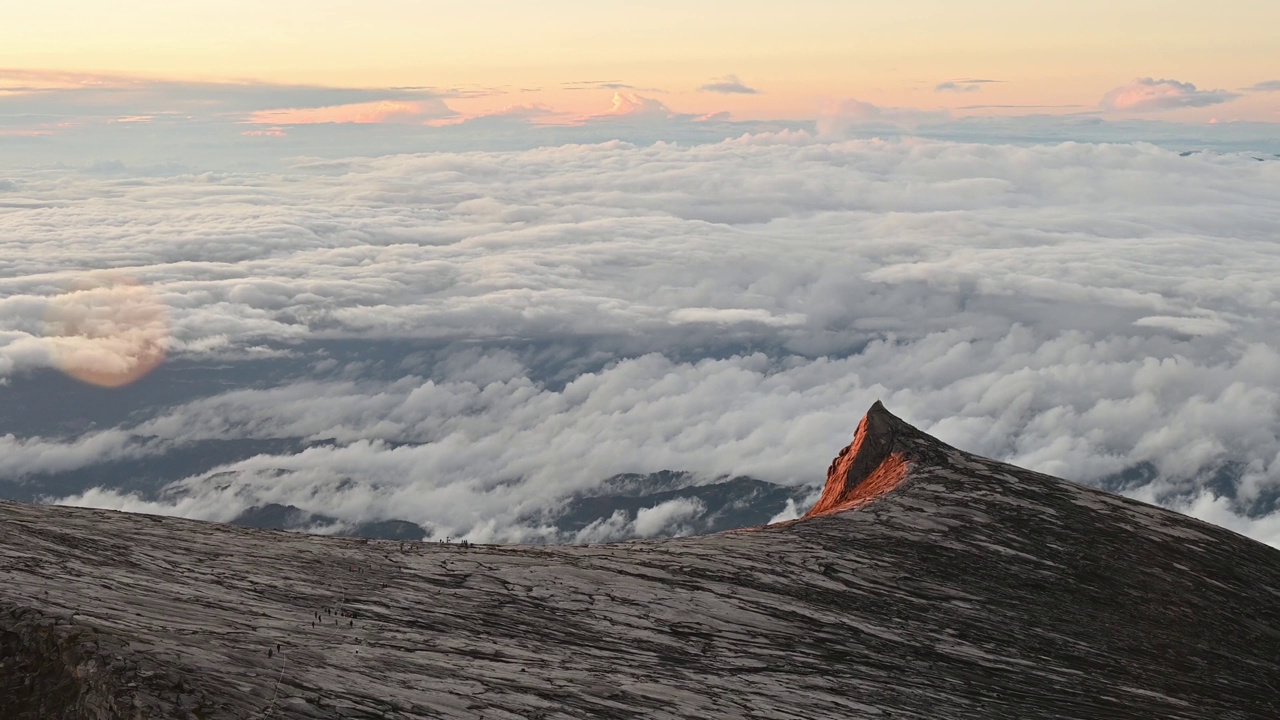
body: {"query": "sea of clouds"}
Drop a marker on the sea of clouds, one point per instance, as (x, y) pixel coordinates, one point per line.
(729, 308)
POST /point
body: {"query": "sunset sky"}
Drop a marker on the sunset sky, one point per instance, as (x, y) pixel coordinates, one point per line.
(562, 59)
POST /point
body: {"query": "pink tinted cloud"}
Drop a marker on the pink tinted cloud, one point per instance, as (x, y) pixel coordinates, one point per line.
(1148, 94)
(268, 132)
(631, 104)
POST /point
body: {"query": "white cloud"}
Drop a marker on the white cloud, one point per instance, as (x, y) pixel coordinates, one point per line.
(724, 309)
(732, 316)
(791, 511)
(1219, 511)
(30, 456)
(1186, 325)
(666, 519)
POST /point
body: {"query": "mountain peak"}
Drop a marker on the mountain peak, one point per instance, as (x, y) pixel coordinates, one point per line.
(875, 462)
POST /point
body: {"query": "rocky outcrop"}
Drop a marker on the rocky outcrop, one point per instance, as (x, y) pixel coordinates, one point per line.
(870, 466)
(927, 583)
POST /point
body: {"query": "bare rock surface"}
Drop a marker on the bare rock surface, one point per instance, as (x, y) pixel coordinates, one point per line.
(956, 587)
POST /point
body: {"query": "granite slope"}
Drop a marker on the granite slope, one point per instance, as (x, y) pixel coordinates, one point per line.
(926, 583)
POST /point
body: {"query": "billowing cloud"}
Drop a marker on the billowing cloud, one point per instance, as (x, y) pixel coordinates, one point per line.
(30, 456)
(632, 104)
(667, 519)
(1148, 94)
(468, 340)
(1268, 86)
(728, 85)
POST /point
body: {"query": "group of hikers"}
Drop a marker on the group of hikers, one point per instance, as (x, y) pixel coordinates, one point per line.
(407, 546)
(335, 613)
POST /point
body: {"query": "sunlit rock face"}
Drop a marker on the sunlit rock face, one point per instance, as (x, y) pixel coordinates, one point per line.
(866, 468)
(927, 583)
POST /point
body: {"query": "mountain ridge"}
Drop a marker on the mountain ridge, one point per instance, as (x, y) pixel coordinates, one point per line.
(926, 583)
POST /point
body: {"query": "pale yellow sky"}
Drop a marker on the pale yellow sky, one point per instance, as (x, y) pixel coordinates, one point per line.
(796, 53)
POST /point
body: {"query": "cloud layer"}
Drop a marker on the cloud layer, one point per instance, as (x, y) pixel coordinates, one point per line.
(726, 309)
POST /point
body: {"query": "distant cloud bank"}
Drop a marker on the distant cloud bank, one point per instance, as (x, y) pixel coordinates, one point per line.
(52, 118)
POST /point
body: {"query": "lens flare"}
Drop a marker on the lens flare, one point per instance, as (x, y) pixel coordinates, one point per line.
(107, 331)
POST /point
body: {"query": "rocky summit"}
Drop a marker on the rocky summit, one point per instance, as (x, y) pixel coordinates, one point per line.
(926, 583)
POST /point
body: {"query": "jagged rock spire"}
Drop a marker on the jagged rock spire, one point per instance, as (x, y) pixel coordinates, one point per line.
(869, 466)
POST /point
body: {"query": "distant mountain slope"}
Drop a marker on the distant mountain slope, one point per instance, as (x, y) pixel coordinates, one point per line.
(926, 583)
